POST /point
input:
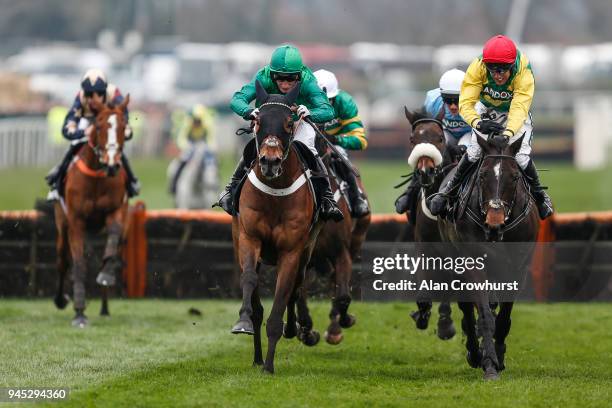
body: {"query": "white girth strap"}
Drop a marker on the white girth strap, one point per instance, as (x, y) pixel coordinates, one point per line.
(278, 192)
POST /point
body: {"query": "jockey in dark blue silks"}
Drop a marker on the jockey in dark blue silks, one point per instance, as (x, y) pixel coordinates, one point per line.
(457, 132)
(79, 123)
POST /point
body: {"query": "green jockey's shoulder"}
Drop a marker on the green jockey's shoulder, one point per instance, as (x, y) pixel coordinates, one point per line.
(344, 105)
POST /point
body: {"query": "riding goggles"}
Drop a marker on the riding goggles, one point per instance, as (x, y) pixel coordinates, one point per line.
(89, 94)
(451, 99)
(498, 68)
(278, 76)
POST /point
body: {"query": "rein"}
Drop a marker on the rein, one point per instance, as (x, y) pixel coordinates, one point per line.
(291, 136)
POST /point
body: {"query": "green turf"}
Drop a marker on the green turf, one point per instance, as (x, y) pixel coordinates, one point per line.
(152, 353)
(570, 189)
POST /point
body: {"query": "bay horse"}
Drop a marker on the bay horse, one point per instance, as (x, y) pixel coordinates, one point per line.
(495, 205)
(275, 224)
(338, 245)
(94, 198)
(430, 160)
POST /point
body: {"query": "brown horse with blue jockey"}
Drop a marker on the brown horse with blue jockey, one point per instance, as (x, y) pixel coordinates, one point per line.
(95, 198)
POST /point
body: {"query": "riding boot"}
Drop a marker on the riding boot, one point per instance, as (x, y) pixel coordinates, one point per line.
(56, 175)
(133, 185)
(226, 199)
(440, 201)
(176, 175)
(329, 208)
(545, 207)
(405, 202)
(359, 203)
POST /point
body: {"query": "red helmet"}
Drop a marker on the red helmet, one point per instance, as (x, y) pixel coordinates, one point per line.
(499, 50)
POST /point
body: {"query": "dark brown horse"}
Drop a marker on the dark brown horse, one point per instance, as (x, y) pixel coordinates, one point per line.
(497, 206)
(94, 198)
(338, 245)
(275, 225)
(430, 159)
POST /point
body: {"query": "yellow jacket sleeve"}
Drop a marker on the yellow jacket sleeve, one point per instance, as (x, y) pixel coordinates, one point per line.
(475, 78)
(524, 86)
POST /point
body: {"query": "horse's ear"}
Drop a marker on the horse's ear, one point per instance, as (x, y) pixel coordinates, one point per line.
(409, 115)
(125, 103)
(515, 146)
(260, 93)
(483, 143)
(293, 93)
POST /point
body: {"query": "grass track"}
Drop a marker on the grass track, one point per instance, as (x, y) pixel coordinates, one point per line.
(570, 189)
(152, 353)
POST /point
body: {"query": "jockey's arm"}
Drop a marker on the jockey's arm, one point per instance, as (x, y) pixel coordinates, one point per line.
(524, 86)
(474, 79)
(70, 127)
(350, 134)
(241, 101)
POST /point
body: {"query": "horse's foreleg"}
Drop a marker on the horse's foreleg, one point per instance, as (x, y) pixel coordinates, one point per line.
(502, 329)
(339, 316)
(446, 328)
(486, 324)
(63, 251)
(248, 257)
(468, 324)
(111, 259)
(257, 320)
(76, 237)
(288, 266)
(290, 328)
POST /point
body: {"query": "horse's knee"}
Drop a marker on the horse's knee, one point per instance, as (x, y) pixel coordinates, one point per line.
(248, 279)
(342, 303)
(274, 328)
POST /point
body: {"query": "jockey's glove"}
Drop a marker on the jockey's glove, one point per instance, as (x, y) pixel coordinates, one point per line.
(128, 132)
(508, 133)
(487, 127)
(303, 111)
(252, 114)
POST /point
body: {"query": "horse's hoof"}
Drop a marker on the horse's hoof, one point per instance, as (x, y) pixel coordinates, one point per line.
(61, 301)
(311, 338)
(421, 319)
(333, 339)
(491, 374)
(446, 328)
(104, 313)
(474, 359)
(105, 279)
(258, 363)
(290, 332)
(347, 321)
(243, 327)
(500, 350)
(80, 322)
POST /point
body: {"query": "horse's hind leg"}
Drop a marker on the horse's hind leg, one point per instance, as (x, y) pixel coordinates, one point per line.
(339, 316)
(76, 236)
(468, 324)
(104, 307)
(502, 329)
(290, 328)
(63, 254)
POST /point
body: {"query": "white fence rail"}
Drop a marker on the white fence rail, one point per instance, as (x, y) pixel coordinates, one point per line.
(24, 142)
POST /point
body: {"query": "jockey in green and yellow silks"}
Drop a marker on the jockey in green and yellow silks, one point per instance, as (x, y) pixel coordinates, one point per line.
(346, 131)
(495, 98)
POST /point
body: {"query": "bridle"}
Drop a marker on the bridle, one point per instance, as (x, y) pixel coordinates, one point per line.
(291, 135)
(498, 202)
(437, 169)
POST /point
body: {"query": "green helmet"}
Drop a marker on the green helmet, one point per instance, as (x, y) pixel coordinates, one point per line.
(286, 59)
